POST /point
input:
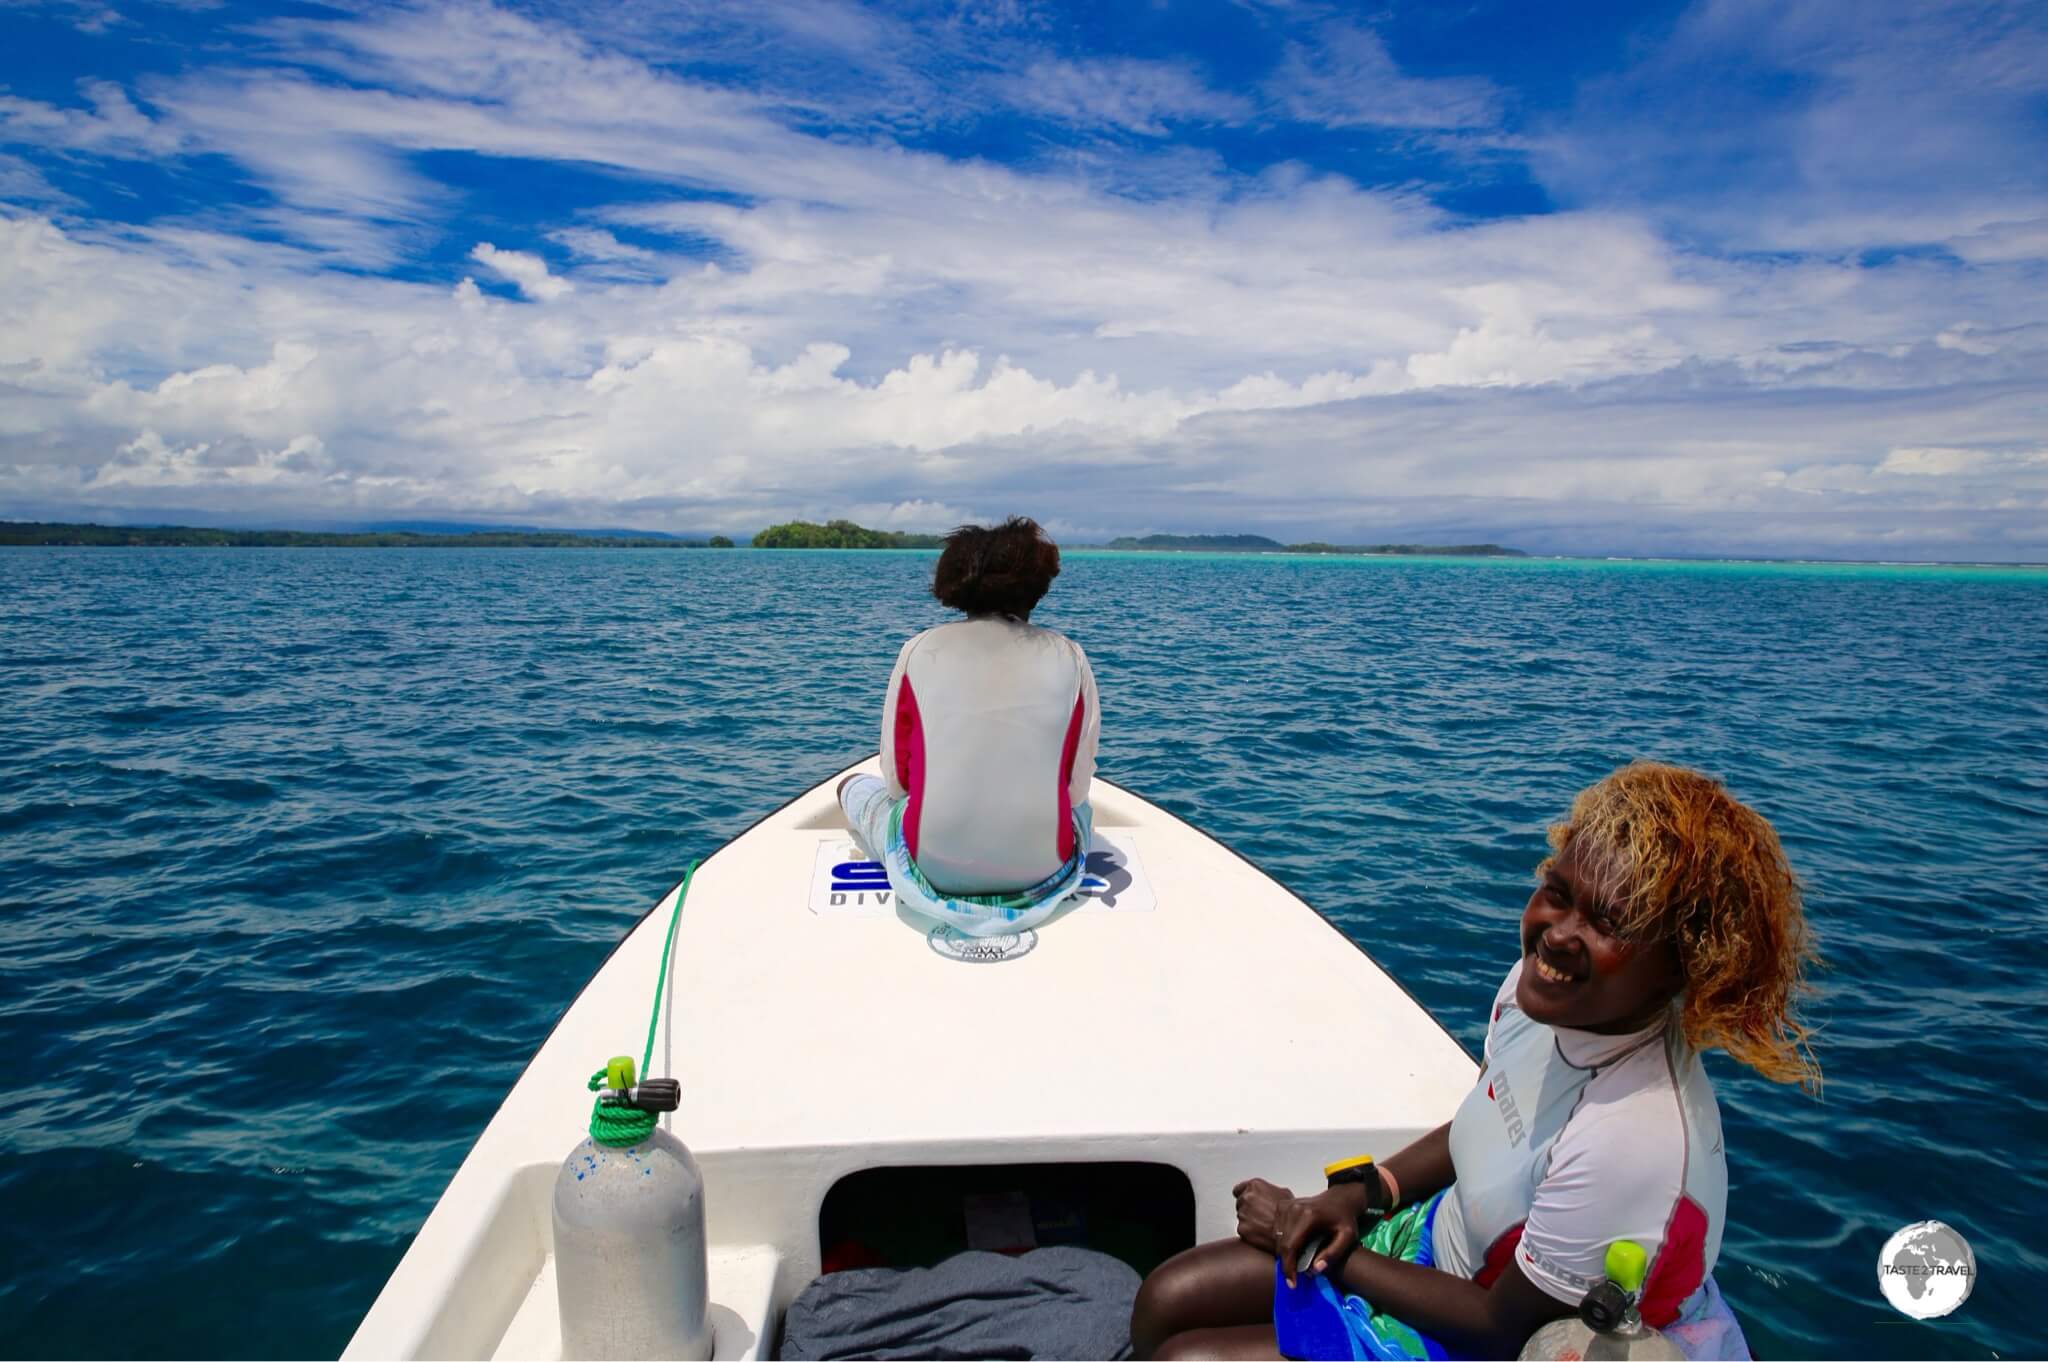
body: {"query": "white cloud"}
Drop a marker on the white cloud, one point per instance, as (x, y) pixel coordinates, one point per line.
(524, 269)
(1137, 96)
(113, 125)
(594, 243)
(2001, 241)
(916, 515)
(1347, 78)
(23, 183)
(1884, 126)
(1936, 462)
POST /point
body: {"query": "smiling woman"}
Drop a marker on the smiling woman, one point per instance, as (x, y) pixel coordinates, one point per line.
(1667, 922)
(1671, 873)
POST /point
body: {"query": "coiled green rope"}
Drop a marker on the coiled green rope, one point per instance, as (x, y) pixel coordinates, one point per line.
(614, 1123)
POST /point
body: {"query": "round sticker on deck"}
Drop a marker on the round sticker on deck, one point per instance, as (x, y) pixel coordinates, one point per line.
(986, 950)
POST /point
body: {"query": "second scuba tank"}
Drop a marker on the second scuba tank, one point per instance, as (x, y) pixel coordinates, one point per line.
(630, 1254)
(1606, 1325)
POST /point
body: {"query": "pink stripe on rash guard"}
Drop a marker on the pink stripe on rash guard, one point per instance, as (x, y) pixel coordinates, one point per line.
(1067, 753)
(909, 761)
(1681, 1264)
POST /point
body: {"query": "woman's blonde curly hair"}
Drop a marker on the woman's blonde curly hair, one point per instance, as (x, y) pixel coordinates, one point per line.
(1687, 862)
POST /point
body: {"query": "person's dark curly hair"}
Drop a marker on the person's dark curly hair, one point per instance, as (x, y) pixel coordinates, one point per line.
(1001, 569)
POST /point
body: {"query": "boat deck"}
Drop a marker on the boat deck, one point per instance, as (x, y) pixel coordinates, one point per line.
(1190, 1013)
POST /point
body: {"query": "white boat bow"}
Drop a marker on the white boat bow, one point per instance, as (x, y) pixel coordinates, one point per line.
(1206, 1022)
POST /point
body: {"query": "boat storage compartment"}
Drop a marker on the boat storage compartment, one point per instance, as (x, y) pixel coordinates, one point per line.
(920, 1215)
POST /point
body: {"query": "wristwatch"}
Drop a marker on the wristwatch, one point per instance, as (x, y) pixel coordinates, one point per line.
(1365, 1172)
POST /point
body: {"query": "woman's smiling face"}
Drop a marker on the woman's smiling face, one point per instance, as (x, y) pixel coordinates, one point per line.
(1576, 971)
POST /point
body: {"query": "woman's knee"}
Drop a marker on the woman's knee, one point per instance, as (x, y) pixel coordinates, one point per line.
(1165, 1295)
(1191, 1290)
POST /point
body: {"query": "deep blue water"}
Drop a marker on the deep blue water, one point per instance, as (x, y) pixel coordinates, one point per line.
(302, 852)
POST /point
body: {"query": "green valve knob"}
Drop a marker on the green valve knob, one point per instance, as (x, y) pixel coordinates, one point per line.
(618, 1076)
(1627, 1265)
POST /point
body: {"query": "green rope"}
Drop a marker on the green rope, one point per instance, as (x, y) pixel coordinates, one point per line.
(618, 1125)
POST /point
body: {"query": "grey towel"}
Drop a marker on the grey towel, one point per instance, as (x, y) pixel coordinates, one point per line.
(1058, 1302)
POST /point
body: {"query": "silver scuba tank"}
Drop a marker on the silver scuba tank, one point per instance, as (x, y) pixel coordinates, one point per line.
(1606, 1325)
(630, 1255)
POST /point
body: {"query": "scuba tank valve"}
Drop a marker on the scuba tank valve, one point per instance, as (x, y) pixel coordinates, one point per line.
(1607, 1324)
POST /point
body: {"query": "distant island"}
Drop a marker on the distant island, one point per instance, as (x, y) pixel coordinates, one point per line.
(840, 534)
(1199, 543)
(1258, 543)
(184, 536)
(1413, 550)
(791, 534)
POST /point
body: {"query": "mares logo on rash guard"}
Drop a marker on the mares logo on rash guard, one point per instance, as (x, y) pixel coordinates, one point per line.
(1510, 1114)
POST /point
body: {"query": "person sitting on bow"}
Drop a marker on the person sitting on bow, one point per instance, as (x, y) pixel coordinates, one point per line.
(989, 730)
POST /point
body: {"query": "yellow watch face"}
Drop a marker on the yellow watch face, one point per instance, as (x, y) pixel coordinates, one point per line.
(1331, 1170)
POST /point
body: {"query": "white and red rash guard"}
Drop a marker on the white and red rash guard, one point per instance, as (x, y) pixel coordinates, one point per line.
(1570, 1141)
(989, 731)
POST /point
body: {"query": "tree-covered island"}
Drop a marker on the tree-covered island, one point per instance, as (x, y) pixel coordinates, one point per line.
(840, 534)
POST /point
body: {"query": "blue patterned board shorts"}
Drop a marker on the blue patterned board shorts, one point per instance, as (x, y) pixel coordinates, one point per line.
(1706, 1329)
(877, 822)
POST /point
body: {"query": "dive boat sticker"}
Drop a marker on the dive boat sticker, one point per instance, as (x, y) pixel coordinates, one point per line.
(982, 950)
(844, 883)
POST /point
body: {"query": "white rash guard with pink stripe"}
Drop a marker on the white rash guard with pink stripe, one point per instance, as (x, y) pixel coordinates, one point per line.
(989, 731)
(1572, 1140)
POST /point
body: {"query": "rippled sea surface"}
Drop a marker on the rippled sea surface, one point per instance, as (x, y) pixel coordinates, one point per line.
(303, 851)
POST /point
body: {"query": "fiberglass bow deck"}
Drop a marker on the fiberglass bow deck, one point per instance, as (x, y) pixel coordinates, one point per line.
(855, 1089)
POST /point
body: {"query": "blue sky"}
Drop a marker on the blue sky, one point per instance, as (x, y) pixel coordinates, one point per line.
(1712, 277)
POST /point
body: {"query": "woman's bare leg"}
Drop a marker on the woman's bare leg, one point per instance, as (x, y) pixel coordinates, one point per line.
(1245, 1341)
(1223, 1288)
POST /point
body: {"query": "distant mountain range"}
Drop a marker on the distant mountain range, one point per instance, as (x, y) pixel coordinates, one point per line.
(1258, 543)
(470, 537)
(448, 527)
(1200, 543)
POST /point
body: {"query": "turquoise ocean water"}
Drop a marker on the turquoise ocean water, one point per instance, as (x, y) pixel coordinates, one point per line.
(302, 852)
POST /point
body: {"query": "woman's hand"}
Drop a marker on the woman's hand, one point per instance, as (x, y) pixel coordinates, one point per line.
(1327, 1220)
(1257, 1202)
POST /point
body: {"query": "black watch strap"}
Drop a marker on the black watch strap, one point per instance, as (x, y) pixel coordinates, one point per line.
(1366, 1173)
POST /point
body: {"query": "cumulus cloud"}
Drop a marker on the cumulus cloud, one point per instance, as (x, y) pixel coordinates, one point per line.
(594, 243)
(524, 269)
(1937, 462)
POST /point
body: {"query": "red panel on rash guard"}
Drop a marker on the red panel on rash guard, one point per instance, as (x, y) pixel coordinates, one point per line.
(1499, 1254)
(1067, 751)
(909, 761)
(1680, 1266)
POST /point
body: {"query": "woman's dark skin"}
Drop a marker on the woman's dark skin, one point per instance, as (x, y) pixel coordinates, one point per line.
(1198, 1304)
